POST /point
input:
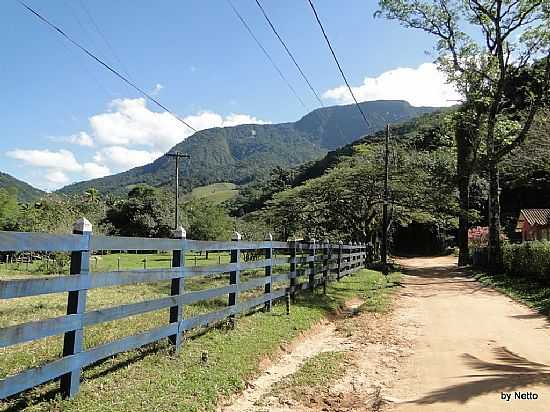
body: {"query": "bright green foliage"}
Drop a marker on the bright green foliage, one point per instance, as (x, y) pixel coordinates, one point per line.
(345, 202)
(56, 214)
(205, 220)
(529, 259)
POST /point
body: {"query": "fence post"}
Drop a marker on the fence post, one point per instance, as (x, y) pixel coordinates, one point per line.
(269, 272)
(326, 262)
(73, 341)
(312, 246)
(177, 287)
(293, 271)
(365, 256)
(234, 276)
(339, 269)
(355, 257)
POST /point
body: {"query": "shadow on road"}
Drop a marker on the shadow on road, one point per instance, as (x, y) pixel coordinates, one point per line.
(510, 373)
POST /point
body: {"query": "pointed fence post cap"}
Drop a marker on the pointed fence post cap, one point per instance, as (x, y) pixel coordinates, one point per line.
(179, 233)
(269, 237)
(312, 240)
(340, 242)
(82, 225)
(236, 236)
(326, 241)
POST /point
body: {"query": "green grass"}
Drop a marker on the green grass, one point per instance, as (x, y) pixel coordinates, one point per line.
(154, 378)
(109, 262)
(216, 192)
(316, 374)
(531, 291)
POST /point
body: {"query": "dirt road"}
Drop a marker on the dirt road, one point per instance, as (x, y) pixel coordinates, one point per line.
(472, 345)
(449, 345)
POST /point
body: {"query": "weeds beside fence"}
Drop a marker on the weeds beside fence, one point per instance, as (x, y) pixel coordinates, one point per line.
(309, 265)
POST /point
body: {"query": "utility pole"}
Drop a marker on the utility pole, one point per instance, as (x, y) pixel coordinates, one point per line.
(384, 250)
(178, 156)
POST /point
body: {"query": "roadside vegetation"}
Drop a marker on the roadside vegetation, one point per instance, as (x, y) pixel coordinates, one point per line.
(316, 374)
(525, 275)
(531, 291)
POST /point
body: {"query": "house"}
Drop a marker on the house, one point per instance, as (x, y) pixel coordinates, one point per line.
(534, 224)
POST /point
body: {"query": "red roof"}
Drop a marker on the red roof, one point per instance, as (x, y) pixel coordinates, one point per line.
(540, 217)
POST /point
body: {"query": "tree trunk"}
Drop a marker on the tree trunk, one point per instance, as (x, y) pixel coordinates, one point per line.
(467, 142)
(463, 220)
(494, 257)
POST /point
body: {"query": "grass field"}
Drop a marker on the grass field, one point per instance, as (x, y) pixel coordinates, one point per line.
(113, 261)
(154, 377)
(216, 192)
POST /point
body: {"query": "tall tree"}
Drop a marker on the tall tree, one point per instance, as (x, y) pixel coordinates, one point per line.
(147, 212)
(512, 36)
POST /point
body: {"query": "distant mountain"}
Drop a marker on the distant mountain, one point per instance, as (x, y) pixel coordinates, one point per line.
(421, 132)
(25, 192)
(241, 153)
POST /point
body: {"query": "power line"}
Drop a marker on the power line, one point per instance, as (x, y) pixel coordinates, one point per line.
(290, 54)
(112, 70)
(105, 39)
(337, 62)
(245, 24)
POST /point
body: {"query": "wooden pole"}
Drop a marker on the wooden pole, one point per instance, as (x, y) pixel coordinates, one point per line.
(177, 156)
(385, 206)
(234, 276)
(73, 341)
(269, 273)
(177, 288)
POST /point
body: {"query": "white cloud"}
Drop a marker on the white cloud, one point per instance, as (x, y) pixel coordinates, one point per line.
(80, 138)
(93, 170)
(57, 178)
(122, 158)
(424, 86)
(131, 122)
(207, 119)
(58, 165)
(62, 160)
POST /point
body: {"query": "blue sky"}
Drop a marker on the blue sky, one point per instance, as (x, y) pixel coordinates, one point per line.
(64, 118)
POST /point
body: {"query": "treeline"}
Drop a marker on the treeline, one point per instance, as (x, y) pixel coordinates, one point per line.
(146, 211)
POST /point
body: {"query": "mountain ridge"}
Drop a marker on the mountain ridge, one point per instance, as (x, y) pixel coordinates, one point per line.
(239, 154)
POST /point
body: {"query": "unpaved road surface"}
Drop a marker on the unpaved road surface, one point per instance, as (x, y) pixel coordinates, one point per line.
(449, 345)
(471, 345)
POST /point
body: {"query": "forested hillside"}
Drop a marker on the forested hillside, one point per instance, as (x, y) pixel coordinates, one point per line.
(342, 192)
(25, 192)
(243, 153)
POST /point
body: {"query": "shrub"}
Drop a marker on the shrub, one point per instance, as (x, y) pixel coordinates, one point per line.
(527, 259)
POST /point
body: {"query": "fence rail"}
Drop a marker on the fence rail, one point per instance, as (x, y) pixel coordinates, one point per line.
(322, 263)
